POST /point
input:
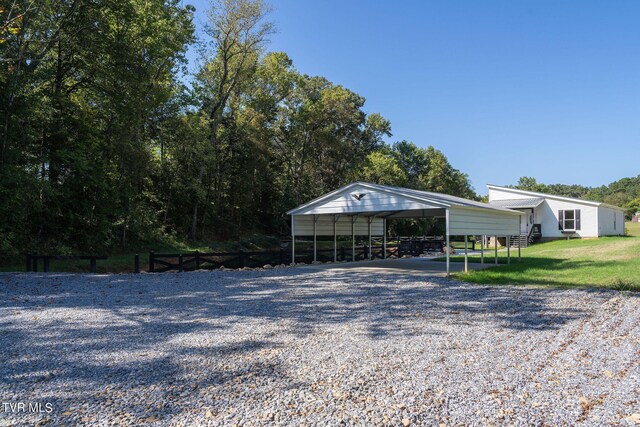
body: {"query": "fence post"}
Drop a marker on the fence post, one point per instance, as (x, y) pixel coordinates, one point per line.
(93, 265)
(151, 262)
(136, 264)
(28, 263)
(197, 260)
(180, 266)
(241, 258)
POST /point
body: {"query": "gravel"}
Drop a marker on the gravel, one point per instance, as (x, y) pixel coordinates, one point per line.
(316, 347)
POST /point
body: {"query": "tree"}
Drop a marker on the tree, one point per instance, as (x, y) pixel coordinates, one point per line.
(83, 87)
(529, 184)
(632, 208)
(380, 168)
(429, 169)
(237, 30)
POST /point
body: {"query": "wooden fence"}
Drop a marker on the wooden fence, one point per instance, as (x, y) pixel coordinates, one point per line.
(32, 261)
(161, 262)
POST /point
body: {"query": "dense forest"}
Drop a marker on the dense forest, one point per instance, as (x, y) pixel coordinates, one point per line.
(624, 193)
(108, 140)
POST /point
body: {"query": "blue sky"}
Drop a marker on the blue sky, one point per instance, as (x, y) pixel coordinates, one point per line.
(539, 88)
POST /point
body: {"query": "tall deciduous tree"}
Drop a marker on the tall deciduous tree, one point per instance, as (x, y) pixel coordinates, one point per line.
(82, 85)
(237, 32)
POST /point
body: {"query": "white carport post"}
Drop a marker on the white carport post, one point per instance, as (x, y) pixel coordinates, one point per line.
(482, 249)
(519, 249)
(335, 239)
(495, 246)
(446, 248)
(293, 240)
(370, 219)
(520, 240)
(508, 249)
(353, 237)
(384, 238)
(466, 255)
(315, 250)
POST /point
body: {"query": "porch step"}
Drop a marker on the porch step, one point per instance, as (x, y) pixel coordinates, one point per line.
(526, 239)
(523, 240)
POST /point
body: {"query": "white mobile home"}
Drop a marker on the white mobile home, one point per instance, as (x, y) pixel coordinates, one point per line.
(553, 216)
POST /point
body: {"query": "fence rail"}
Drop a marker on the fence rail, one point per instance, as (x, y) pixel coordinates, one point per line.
(188, 261)
(32, 261)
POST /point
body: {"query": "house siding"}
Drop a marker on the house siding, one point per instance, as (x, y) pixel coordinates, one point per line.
(496, 194)
(547, 215)
(596, 220)
(345, 203)
(606, 221)
(465, 221)
(303, 226)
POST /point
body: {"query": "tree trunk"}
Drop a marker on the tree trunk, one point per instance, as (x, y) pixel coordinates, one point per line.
(194, 222)
(194, 215)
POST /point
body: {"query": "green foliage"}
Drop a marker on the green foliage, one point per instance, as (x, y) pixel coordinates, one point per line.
(104, 148)
(407, 165)
(633, 207)
(530, 184)
(382, 168)
(83, 86)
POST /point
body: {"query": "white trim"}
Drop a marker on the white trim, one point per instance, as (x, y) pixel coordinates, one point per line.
(442, 200)
(551, 196)
(313, 202)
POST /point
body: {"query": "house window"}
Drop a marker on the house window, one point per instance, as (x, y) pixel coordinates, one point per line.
(569, 219)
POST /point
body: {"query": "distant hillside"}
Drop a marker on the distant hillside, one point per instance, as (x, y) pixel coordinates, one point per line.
(624, 192)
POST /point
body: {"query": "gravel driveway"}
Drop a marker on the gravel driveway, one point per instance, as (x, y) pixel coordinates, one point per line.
(300, 346)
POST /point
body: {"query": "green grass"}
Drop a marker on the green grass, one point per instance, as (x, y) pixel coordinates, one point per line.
(607, 262)
(633, 228)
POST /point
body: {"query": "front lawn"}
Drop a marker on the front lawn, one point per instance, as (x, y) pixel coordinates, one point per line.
(609, 262)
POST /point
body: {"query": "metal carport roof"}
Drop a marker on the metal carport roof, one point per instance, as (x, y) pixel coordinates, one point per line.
(363, 206)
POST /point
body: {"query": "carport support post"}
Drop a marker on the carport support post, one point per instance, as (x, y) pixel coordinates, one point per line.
(508, 250)
(482, 250)
(370, 219)
(384, 238)
(520, 240)
(293, 241)
(466, 254)
(315, 250)
(495, 247)
(446, 241)
(335, 241)
(353, 238)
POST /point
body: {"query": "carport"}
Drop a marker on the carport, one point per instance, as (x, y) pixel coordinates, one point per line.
(362, 208)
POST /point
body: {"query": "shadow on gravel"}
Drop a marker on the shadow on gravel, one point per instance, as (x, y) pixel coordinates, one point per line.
(146, 310)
